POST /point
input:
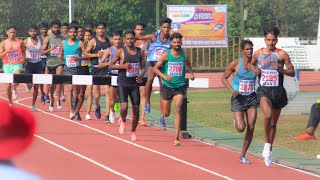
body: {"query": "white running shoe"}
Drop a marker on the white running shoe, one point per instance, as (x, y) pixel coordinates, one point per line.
(268, 160)
(88, 117)
(14, 94)
(112, 117)
(133, 137)
(266, 150)
(267, 154)
(122, 126)
(59, 105)
(33, 108)
(51, 107)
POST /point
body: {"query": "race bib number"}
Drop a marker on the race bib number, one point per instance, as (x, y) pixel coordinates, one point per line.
(134, 70)
(175, 68)
(13, 55)
(157, 54)
(246, 87)
(55, 51)
(35, 55)
(269, 78)
(70, 61)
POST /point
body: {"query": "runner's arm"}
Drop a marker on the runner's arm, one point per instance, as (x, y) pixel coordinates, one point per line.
(156, 67)
(230, 69)
(189, 67)
(44, 47)
(2, 50)
(119, 56)
(142, 64)
(253, 63)
(151, 37)
(106, 55)
(290, 69)
(60, 55)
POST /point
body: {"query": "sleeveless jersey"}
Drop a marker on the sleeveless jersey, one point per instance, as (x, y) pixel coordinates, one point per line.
(175, 67)
(33, 52)
(127, 77)
(15, 54)
(85, 62)
(157, 48)
(113, 52)
(100, 46)
(244, 80)
(71, 51)
(269, 77)
(52, 56)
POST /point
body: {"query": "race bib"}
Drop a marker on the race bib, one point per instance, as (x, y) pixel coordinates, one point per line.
(157, 54)
(13, 55)
(55, 51)
(175, 68)
(134, 70)
(114, 71)
(35, 55)
(246, 87)
(84, 62)
(269, 78)
(70, 62)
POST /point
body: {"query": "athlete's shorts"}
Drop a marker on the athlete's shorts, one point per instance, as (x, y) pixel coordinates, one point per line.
(44, 63)
(151, 63)
(99, 71)
(34, 68)
(52, 70)
(11, 68)
(71, 71)
(168, 93)
(132, 91)
(84, 70)
(241, 103)
(277, 95)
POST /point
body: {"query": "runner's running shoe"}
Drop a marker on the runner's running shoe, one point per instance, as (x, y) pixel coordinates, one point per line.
(162, 122)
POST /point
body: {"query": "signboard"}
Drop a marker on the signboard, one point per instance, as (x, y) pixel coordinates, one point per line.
(200, 25)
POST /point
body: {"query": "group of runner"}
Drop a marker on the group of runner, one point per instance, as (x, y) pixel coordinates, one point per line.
(74, 50)
(71, 49)
(268, 64)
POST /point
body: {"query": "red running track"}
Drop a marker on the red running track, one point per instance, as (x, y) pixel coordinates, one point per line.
(66, 149)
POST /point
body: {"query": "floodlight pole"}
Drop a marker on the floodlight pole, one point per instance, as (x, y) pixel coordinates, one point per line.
(71, 11)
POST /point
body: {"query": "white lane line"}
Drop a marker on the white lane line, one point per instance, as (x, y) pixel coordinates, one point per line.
(85, 158)
(72, 152)
(129, 142)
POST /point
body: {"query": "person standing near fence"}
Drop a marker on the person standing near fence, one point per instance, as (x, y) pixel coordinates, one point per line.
(13, 55)
(269, 66)
(174, 63)
(51, 47)
(143, 45)
(131, 70)
(96, 46)
(160, 42)
(32, 46)
(244, 99)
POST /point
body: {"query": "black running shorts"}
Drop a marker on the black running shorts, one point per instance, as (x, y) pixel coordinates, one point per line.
(277, 96)
(241, 103)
